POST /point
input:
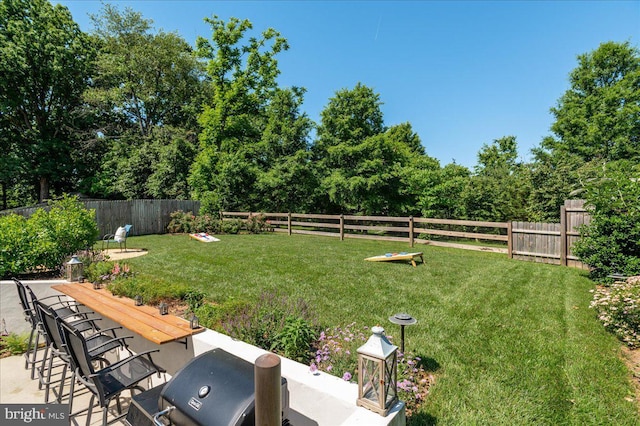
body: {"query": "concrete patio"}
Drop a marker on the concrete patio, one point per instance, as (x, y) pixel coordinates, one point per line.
(316, 399)
(16, 385)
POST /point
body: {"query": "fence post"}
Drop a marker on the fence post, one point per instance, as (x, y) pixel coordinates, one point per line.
(510, 239)
(563, 235)
(341, 227)
(268, 390)
(289, 223)
(411, 231)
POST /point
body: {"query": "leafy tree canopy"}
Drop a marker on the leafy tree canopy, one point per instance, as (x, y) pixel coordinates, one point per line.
(45, 64)
(599, 116)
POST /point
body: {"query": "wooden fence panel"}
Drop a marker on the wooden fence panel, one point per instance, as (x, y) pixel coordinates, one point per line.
(536, 242)
(551, 242)
(576, 216)
(146, 216)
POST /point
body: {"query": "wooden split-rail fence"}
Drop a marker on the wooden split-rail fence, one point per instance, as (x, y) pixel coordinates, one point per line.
(531, 241)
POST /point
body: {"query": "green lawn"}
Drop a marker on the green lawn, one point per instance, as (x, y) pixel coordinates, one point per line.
(510, 342)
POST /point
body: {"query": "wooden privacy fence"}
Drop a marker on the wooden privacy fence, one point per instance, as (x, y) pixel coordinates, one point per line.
(403, 229)
(551, 242)
(146, 216)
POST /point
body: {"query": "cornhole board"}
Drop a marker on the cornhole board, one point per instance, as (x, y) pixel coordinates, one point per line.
(204, 237)
(397, 256)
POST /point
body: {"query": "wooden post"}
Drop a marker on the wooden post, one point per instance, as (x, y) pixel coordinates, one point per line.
(410, 234)
(563, 235)
(510, 239)
(289, 223)
(341, 227)
(268, 390)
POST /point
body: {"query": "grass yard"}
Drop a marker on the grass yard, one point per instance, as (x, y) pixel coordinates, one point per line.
(510, 342)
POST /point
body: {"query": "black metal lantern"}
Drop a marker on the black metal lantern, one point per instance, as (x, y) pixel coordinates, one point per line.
(194, 322)
(74, 270)
(138, 300)
(163, 308)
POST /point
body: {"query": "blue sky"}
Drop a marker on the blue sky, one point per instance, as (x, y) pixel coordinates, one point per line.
(462, 73)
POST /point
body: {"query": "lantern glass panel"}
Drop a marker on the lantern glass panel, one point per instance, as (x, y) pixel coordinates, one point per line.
(74, 269)
(371, 379)
(391, 379)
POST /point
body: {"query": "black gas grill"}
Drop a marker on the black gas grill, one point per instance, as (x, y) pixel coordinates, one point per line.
(214, 389)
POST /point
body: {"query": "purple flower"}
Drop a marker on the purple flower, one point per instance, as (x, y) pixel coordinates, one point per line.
(329, 368)
(346, 376)
(313, 368)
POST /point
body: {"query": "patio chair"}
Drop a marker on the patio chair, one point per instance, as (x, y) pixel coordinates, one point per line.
(99, 343)
(119, 237)
(27, 297)
(109, 382)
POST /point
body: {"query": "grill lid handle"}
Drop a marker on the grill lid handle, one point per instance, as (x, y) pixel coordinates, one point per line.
(156, 416)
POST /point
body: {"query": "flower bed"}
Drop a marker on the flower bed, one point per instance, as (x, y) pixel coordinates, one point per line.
(336, 353)
(618, 307)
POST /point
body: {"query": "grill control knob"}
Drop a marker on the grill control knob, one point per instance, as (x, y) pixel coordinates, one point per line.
(204, 391)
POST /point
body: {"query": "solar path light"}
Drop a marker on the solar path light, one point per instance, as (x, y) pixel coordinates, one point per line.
(402, 320)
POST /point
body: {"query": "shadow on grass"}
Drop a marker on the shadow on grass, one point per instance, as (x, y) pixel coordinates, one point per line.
(419, 417)
(429, 364)
(422, 419)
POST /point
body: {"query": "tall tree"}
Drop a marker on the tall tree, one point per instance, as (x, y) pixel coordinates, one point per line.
(286, 180)
(145, 96)
(499, 189)
(243, 81)
(45, 64)
(599, 116)
(362, 164)
(597, 121)
(148, 77)
(440, 190)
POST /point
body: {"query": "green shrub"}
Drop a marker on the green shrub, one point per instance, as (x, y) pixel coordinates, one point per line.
(89, 259)
(194, 299)
(16, 245)
(151, 291)
(618, 308)
(294, 339)
(611, 242)
(214, 315)
(98, 272)
(256, 224)
(47, 238)
(208, 224)
(14, 344)
(181, 222)
(270, 323)
(232, 226)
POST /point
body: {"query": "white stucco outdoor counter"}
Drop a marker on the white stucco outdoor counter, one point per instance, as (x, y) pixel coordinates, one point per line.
(318, 399)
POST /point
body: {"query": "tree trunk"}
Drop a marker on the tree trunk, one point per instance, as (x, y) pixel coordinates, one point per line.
(44, 190)
(4, 196)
